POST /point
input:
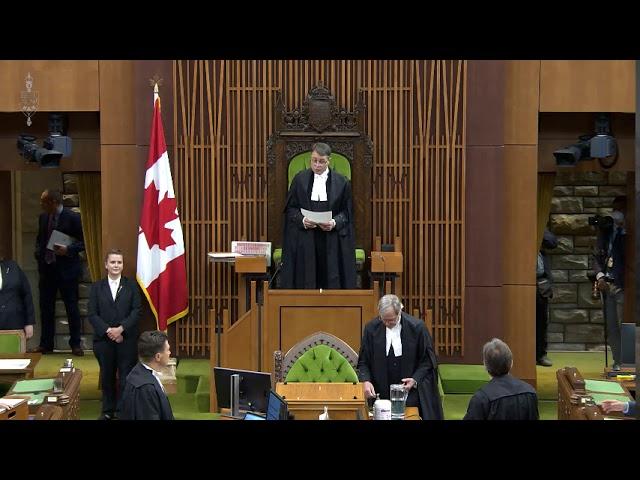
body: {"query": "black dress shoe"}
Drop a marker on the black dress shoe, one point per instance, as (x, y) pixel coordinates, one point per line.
(105, 416)
(42, 350)
(544, 361)
(78, 352)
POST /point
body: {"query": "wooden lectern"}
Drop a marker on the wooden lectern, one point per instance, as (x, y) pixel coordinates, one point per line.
(306, 400)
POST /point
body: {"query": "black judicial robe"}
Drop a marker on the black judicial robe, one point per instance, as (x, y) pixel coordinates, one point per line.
(299, 253)
(143, 398)
(418, 362)
(504, 398)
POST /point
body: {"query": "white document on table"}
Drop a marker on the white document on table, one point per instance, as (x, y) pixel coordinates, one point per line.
(59, 238)
(14, 363)
(8, 403)
(317, 217)
(224, 255)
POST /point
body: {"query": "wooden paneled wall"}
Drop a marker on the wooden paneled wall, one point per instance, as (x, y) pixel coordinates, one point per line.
(587, 86)
(61, 85)
(415, 118)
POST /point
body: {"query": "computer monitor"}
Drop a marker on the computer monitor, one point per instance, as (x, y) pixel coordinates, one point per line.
(277, 407)
(253, 392)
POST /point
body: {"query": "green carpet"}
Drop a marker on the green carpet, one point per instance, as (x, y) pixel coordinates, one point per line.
(191, 402)
(589, 364)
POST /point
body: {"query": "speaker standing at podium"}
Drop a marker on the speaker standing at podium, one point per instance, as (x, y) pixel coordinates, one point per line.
(319, 255)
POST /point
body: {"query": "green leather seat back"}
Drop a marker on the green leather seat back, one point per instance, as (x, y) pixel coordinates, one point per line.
(277, 256)
(302, 161)
(322, 364)
(9, 343)
(462, 379)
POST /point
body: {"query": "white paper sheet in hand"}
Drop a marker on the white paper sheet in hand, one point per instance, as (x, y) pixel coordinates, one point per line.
(317, 217)
(59, 238)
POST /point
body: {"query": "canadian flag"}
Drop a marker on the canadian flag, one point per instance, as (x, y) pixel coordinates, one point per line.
(161, 270)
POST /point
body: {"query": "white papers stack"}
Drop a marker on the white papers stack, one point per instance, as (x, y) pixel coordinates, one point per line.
(59, 238)
(220, 255)
(14, 363)
(317, 217)
(7, 403)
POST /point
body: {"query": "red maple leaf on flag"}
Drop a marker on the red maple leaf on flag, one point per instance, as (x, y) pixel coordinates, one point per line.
(154, 219)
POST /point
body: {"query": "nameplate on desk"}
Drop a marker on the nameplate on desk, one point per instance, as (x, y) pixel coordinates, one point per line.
(52, 399)
(65, 370)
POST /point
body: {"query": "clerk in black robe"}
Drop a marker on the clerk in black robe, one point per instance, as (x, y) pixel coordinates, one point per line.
(504, 397)
(144, 397)
(319, 255)
(397, 348)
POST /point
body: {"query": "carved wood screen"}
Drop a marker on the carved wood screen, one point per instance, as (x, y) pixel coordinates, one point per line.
(415, 117)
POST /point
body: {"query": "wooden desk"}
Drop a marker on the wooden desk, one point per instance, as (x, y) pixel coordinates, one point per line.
(628, 384)
(68, 399)
(410, 413)
(576, 401)
(345, 401)
(19, 411)
(11, 376)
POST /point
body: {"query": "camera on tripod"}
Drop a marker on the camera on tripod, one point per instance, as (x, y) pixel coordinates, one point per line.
(601, 221)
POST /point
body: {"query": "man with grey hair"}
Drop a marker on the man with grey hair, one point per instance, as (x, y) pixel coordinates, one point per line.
(319, 255)
(397, 348)
(504, 397)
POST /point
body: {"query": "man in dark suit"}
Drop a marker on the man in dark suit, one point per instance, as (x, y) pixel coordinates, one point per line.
(114, 312)
(504, 397)
(609, 264)
(144, 397)
(60, 268)
(544, 292)
(396, 348)
(16, 304)
(319, 255)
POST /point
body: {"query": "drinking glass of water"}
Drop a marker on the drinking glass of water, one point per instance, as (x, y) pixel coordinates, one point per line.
(398, 396)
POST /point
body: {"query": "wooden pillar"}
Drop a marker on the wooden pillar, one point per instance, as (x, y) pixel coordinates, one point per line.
(484, 204)
(520, 214)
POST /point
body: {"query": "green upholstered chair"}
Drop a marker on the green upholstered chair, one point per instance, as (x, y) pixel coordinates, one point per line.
(302, 161)
(320, 357)
(12, 341)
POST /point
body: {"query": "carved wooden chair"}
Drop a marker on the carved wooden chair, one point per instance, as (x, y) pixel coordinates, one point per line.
(49, 412)
(320, 357)
(320, 119)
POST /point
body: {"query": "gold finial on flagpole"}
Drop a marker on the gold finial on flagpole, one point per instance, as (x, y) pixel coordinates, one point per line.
(156, 82)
